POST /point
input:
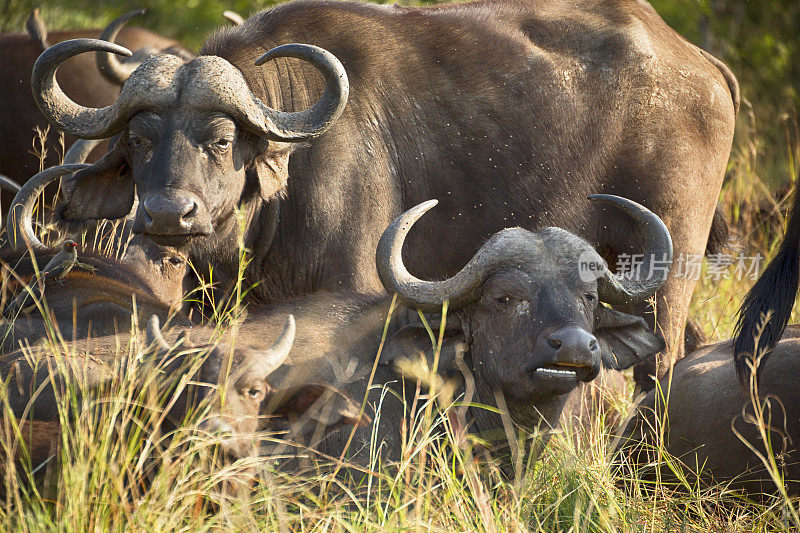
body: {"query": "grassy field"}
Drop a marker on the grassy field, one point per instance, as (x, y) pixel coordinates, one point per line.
(112, 470)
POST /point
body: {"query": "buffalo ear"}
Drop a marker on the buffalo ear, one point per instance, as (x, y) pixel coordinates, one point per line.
(270, 169)
(625, 339)
(413, 340)
(105, 190)
(314, 408)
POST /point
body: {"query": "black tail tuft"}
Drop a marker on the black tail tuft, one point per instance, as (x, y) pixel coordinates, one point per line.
(775, 290)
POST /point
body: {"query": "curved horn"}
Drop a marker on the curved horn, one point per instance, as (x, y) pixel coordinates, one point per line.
(275, 355)
(72, 118)
(153, 334)
(505, 247)
(658, 247)
(9, 185)
(111, 68)
(312, 122)
(80, 150)
(235, 18)
(20, 228)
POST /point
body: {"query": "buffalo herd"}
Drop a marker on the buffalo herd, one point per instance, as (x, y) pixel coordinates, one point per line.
(285, 174)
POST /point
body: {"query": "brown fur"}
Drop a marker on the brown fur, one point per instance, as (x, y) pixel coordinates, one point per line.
(100, 301)
(509, 112)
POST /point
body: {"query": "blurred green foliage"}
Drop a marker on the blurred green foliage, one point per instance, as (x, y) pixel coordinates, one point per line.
(189, 21)
(758, 39)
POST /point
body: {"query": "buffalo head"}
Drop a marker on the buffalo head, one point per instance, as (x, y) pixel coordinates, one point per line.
(529, 309)
(190, 137)
(237, 378)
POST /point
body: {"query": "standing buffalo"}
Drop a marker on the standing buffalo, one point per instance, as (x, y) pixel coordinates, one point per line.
(19, 115)
(509, 111)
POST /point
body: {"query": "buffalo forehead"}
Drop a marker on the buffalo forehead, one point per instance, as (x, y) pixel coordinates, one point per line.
(567, 248)
(211, 83)
(154, 81)
(549, 253)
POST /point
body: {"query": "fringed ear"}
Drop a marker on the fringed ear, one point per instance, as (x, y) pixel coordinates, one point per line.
(270, 169)
(625, 339)
(105, 190)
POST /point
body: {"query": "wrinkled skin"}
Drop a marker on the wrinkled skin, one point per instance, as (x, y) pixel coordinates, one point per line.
(482, 129)
(706, 401)
(100, 302)
(79, 76)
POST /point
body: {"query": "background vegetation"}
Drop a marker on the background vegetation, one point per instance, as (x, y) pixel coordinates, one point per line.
(439, 488)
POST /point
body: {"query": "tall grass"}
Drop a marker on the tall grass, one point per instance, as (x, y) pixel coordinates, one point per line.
(109, 467)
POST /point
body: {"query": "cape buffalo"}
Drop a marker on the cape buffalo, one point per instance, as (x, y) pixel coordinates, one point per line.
(530, 329)
(510, 111)
(231, 382)
(19, 115)
(98, 297)
(707, 407)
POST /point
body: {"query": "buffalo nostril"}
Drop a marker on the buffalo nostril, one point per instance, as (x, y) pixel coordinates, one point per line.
(192, 210)
(554, 343)
(593, 345)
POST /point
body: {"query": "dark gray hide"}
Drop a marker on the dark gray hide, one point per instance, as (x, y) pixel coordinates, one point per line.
(530, 329)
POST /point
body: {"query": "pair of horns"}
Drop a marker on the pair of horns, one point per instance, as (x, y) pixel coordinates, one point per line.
(267, 360)
(505, 250)
(137, 93)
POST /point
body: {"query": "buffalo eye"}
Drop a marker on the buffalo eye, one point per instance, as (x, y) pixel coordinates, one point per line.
(503, 300)
(255, 392)
(222, 144)
(591, 298)
(136, 141)
(174, 261)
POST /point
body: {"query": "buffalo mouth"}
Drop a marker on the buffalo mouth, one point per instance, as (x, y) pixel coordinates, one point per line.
(560, 376)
